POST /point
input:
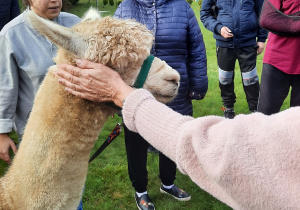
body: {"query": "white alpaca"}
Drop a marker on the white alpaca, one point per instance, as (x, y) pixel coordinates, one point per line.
(50, 168)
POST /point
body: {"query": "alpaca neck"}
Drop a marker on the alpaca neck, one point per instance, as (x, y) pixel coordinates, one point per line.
(52, 160)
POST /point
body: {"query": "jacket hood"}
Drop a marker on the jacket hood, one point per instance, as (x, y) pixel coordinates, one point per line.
(149, 3)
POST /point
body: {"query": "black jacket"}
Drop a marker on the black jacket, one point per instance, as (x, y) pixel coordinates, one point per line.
(9, 9)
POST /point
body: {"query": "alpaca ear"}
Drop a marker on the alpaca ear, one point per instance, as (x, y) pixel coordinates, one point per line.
(59, 35)
(91, 14)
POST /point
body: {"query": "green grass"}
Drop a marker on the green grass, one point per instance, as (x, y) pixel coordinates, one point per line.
(108, 185)
(82, 6)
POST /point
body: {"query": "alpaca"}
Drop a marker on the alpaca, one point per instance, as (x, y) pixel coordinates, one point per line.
(50, 168)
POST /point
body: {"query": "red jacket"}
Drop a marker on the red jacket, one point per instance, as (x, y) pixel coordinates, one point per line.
(282, 51)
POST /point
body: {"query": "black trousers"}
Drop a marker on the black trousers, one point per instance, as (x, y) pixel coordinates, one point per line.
(274, 89)
(247, 60)
(136, 148)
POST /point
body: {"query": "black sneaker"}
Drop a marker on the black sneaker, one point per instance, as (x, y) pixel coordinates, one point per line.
(229, 113)
(176, 192)
(144, 202)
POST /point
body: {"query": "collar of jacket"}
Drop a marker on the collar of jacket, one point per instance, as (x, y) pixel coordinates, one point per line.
(151, 3)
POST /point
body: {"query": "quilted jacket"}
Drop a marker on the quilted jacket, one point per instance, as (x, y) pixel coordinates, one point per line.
(9, 9)
(240, 16)
(178, 41)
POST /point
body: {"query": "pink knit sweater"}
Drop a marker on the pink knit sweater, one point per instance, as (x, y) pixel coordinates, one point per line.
(249, 162)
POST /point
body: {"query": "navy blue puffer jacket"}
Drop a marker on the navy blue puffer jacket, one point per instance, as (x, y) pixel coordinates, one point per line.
(178, 41)
(240, 16)
(9, 9)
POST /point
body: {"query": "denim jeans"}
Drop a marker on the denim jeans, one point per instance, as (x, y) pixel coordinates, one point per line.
(80, 206)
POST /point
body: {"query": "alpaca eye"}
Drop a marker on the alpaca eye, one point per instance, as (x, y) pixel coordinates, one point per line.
(175, 81)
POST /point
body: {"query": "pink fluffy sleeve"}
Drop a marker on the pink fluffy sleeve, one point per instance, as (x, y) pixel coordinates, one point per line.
(250, 162)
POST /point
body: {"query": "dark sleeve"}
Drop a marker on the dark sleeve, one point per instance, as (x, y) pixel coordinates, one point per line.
(15, 9)
(209, 22)
(262, 34)
(197, 62)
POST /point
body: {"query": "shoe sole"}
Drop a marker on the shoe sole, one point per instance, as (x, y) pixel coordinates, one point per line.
(138, 204)
(180, 199)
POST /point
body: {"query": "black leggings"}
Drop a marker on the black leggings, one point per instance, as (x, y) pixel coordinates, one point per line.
(136, 148)
(274, 89)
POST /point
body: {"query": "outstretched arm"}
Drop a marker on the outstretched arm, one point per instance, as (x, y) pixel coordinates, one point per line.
(249, 162)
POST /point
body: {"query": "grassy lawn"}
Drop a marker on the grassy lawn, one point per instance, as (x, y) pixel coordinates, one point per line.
(108, 185)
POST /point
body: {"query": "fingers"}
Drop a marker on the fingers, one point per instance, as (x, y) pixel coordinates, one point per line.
(100, 68)
(72, 70)
(76, 93)
(13, 147)
(74, 89)
(5, 144)
(68, 75)
(84, 68)
(91, 81)
(70, 85)
(2, 157)
(259, 51)
(226, 32)
(261, 47)
(87, 64)
(88, 96)
(7, 158)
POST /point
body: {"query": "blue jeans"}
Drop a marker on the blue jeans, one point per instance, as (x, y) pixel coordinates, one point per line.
(80, 206)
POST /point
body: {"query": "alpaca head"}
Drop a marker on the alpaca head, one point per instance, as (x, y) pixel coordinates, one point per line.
(122, 45)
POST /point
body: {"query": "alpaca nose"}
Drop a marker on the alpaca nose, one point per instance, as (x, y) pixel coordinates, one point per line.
(175, 81)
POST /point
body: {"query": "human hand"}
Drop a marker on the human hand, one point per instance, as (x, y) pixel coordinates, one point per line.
(261, 47)
(226, 32)
(5, 144)
(93, 81)
(196, 96)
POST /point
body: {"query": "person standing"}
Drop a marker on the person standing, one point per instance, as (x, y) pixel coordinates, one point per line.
(238, 37)
(9, 9)
(179, 42)
(281, 66)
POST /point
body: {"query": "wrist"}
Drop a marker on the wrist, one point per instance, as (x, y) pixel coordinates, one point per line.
(122, 95)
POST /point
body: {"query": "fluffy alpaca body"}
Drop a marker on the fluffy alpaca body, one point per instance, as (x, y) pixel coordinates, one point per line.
(50, 168)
